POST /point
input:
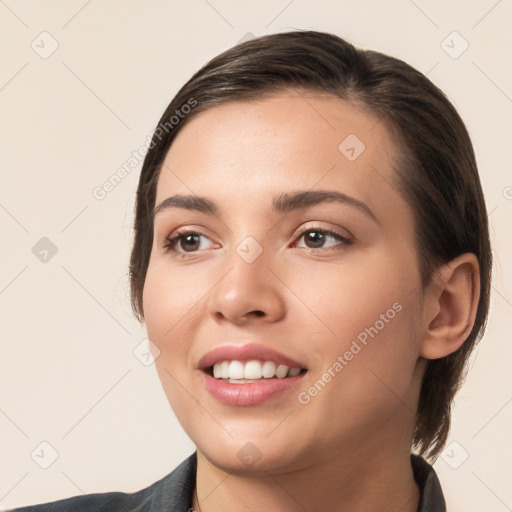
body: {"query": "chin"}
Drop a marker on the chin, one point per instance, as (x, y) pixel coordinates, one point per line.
(249, 453)
(248, 458)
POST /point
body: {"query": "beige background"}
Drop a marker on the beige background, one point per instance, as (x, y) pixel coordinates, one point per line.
(68, 373)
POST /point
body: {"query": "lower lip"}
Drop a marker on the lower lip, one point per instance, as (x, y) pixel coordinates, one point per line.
(243, 395)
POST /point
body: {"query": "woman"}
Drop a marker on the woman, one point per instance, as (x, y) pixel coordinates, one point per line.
(312, 263)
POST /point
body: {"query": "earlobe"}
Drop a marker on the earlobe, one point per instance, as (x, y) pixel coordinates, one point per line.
(450, 306)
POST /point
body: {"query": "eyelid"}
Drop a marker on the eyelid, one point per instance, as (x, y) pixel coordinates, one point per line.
(312, 225)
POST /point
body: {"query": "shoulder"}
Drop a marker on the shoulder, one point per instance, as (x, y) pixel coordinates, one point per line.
(172, 492)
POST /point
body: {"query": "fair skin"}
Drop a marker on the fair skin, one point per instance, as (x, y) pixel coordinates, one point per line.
(348, 447)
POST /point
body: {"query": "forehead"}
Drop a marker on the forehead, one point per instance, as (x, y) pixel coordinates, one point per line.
(243, 150)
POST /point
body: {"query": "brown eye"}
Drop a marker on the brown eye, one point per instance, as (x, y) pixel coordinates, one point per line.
(189, 242)
(316, 239)
(185, 242)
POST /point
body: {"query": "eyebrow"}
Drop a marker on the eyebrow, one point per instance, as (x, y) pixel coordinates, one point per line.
(284, 203)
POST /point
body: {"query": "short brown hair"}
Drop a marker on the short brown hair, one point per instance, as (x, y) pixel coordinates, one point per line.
(436, 171)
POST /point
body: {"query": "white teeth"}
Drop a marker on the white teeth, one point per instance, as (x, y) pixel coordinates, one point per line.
(282, 371)
(224, 370)
(236, 370)
(269, 369)
(252, 370)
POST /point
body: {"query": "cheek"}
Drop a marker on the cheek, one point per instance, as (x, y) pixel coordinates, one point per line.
(171, 304)
(361, 296)
(169, 298)
(371, 313)
(368, 371)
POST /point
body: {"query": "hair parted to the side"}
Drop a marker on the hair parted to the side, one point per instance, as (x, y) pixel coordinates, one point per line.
(436, 169)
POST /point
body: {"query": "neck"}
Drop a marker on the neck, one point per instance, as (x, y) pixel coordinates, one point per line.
(344, 482)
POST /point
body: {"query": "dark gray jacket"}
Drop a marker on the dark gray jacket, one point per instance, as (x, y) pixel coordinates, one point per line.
(173, 493)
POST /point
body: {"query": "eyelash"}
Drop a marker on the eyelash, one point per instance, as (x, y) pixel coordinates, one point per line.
(171, 240)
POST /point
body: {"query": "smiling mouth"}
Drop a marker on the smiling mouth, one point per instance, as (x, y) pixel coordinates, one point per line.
(252, 371)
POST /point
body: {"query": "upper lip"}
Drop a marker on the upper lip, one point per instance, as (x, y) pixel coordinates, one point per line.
(248, 352)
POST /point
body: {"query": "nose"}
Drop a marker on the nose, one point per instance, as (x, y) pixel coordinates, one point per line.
(248, 292)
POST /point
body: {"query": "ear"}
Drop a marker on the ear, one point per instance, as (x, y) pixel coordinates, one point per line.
(450, 306)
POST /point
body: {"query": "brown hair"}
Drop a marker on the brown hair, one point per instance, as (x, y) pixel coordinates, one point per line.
(436, 169)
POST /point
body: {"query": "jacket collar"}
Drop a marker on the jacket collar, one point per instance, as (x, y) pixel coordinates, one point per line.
(432, 499)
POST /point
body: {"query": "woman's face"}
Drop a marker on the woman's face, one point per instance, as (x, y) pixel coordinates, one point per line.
(273, 272)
